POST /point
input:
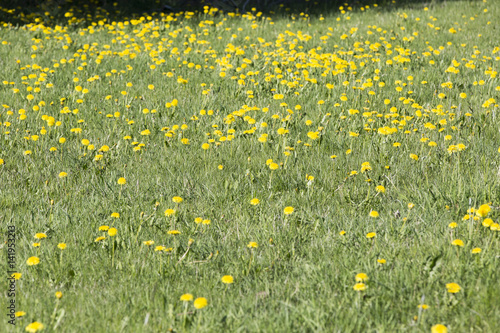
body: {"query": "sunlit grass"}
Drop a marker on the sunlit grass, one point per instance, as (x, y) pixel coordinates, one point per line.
(261, 172)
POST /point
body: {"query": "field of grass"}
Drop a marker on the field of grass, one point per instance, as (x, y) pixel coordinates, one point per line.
(274, 172)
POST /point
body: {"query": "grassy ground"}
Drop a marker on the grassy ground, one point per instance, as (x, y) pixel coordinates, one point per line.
(377, 125)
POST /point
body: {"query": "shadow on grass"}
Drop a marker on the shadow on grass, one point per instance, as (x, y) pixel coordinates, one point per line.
(75, 12)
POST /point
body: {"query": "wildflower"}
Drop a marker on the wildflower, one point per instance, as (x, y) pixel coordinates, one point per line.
(205, 146)
(186, 297)
(374, 213)
(61, 246)
(173, 232)
(16, 276)
(360, 277)
(62, 174)
(169, 212)
(487, 222)
(252, 245)
(115, 215)
(476, 250)
(342, 233)
(100, 238)
(371, 235)
(254, 202)
(32, 261)
(380, 189)
(365, 167)
(413, 156)
(40, 235)
(313, 135)
(452, 225)
(273, 166)
(359, 287)
(112, 232)
(423, 306)
(227, 279)
(34, 327)
(453, 288)
(200, 303)
(103, 228)
(122, 181)
(410, 205)
(381, 261)
(149, 242)
(483, 210)
(20, 313)
(288, 210)
(177, 199)
(439, 329)
(457, 242)
(59, 295)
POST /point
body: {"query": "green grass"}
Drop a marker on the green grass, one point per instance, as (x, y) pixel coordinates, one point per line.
(301, 275)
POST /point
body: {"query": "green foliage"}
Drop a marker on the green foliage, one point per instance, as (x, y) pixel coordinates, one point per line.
(362, 111)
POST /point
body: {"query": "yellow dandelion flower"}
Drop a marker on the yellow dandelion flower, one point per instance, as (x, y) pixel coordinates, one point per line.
(254, 202)
(359, 287)
(273, 166)
(439, 328)
(177, 199)
(200, 303)
(34, 327)
(112, 232)
(483, 210)
(32, 261)
(360, 277)
(40, 235)
(487, 222)
(169, 212)
(453, 288)
(227, 279)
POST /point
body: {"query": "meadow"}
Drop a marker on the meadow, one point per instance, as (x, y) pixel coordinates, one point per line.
(277, 171)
